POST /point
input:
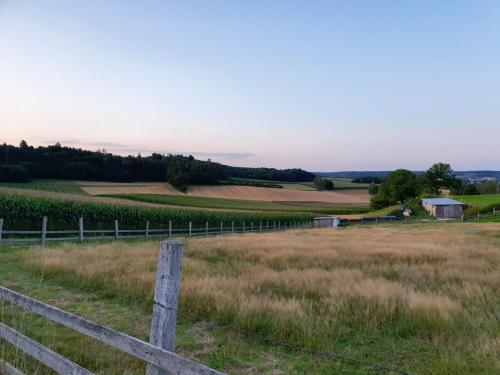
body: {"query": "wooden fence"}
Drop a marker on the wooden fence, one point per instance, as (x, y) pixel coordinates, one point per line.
(81, 234)
(158, 353)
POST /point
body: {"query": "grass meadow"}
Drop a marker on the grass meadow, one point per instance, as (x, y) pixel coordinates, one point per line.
(56, 186)
(420, 298)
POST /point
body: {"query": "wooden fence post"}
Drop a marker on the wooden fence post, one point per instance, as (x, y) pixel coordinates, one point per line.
(44, 229)
(80, 225)
(166, 299)
(116, 230)
(1, 229)
(243, 226)
(221, 227)
(190, 228)
(170, 229)
(267, 225)
(260, 226)
(274, 225)
(206, 229)
(478, 216)
(147, 229)
(494, 213)
(232, 226)
(279, 224)
(251, 226)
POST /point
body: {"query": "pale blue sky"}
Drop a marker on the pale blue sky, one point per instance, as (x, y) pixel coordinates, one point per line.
(322, 85)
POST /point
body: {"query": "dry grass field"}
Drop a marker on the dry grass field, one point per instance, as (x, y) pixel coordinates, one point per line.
(276, 195)
(418, 297)
(106, 188)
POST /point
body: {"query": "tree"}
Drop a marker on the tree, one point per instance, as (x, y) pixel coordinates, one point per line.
(440, 175)
(323, 183)
(401, 185)
(471, 189)
(372, 188)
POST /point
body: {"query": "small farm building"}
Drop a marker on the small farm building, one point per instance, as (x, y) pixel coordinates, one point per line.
(443, 208)
(326, 222)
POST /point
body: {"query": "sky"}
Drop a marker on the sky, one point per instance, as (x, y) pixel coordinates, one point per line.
(319, 85)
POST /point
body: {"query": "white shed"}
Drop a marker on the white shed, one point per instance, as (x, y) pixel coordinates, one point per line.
(326, 222)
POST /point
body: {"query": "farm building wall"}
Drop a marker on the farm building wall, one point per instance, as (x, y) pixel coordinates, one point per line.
(448, 212)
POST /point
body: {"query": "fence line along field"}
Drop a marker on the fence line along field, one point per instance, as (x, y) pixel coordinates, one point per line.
(422, 298)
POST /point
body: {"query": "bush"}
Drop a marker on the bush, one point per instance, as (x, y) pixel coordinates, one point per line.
(14, 173)
(323, 184)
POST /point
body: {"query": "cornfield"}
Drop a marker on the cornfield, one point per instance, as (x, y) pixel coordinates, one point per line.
(19, 211)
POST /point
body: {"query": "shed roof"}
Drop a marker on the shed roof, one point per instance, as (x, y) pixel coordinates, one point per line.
(442, 202)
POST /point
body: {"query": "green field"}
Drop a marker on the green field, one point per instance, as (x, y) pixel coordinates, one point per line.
(240, 204)
(57, 186)
(344, 183)
(480, 201)
(21, 211)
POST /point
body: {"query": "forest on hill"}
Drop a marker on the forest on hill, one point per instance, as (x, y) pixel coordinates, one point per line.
(22, 163)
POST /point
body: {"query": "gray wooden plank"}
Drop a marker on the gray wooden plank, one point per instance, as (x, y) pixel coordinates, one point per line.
(7, 369)
(161, 358)
(41, 353)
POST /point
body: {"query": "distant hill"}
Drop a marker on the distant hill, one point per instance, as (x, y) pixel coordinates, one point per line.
(464, 175)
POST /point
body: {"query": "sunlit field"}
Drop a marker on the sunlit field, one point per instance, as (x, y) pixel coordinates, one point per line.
(423, 298)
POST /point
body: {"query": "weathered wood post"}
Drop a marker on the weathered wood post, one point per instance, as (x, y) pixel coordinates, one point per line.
(494, 213)
(1, 229)
(117, 231)
(232, 226)
(267, 225)
(44, 230)
(166, 299)
(170, 229)
(279, 224)
(260, 226)
(274, 225)
(251, 226)
(80, 226)
(147, 229)
(206, 228)
(221, 227)
(190, 228)
(478, 216)
(243, 226)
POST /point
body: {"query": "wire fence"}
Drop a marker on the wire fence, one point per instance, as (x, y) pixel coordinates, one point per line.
(170, 230)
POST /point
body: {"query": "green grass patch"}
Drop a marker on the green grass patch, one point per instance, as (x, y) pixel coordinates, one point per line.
(56, 186)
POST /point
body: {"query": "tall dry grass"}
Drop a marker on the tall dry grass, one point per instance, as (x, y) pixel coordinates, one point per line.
(319, 288)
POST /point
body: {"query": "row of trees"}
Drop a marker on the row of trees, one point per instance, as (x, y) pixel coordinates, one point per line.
(402, 185)
(19, 164)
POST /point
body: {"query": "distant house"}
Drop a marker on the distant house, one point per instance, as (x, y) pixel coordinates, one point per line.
(443, 208)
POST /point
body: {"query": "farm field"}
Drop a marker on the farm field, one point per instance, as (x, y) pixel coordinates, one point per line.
(353, 196)
(56, 186)
(480, 201)
(221, 203)
(416, 298)
(107, 188)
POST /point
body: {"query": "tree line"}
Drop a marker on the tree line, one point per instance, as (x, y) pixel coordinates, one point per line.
(20, 164)
(402, 185)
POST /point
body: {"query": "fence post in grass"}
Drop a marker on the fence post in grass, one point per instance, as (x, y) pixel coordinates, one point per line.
(494, 213)
(251, 226)
(190, 228)
(478, 215)
(206, 228)
(170, 229)
(1, 229)
(166, 299)
(147, 229)
(260, 226)
(267, 225)
(80, 226)
(243, 226)
(116, 230)
(232, 226)
(44, 229)
(279, 224)
(221, 227)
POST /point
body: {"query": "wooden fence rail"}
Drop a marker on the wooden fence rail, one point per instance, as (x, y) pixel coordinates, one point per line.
(81, 234)
(160, 359)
